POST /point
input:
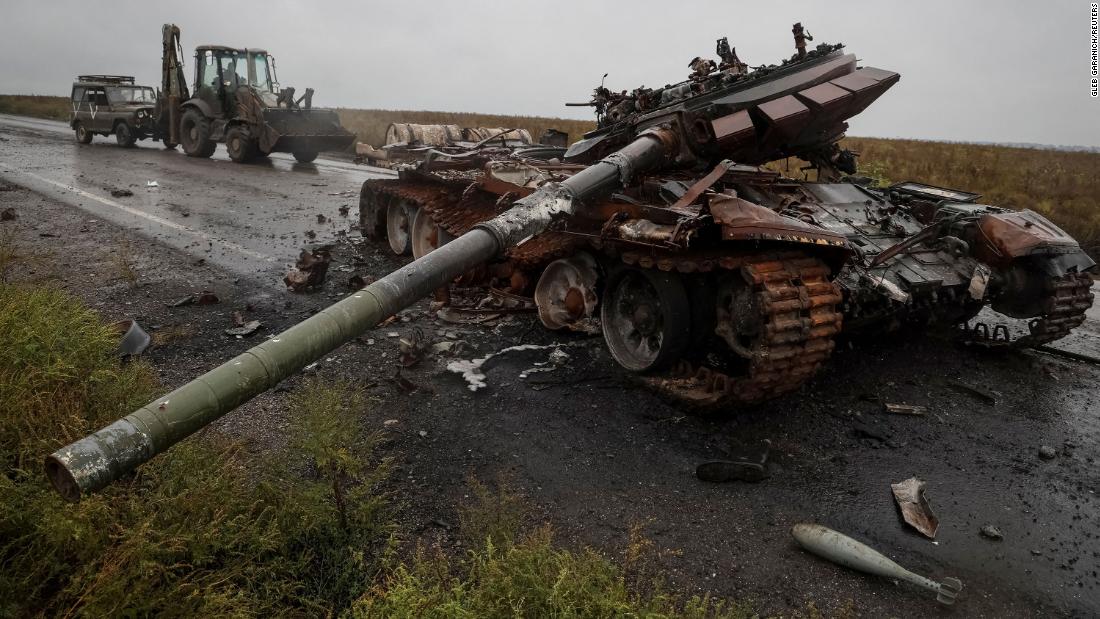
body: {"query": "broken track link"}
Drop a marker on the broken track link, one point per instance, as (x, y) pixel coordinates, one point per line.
(1067, 299)
(798, 307)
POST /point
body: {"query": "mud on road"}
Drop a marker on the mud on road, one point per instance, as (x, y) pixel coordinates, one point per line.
(591, 451)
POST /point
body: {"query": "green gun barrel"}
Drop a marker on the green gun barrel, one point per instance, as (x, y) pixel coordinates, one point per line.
(98, 459)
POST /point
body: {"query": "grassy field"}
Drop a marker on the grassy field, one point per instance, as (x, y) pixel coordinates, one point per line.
(39, 106)
(1058, 184)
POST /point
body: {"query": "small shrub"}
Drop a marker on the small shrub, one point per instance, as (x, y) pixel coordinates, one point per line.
(527, 577)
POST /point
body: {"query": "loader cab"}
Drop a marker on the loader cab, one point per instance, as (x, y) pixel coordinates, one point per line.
(220, 71)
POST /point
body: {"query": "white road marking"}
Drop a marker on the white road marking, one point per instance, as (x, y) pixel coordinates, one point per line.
(147, 216)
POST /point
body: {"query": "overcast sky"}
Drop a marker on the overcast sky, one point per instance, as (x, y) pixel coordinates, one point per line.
(1009, 71)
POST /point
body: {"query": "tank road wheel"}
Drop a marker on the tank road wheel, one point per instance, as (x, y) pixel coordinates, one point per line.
(124, 135)
(645, 318)
(82, 134)
(305, 156)
(399, 218)
(195, 134)
(426, 235)
(240, 145)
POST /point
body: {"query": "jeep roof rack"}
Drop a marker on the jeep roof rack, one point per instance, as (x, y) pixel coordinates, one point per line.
(110, 79)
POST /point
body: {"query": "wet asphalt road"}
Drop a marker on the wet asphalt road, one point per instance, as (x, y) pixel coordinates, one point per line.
(597, 454)
(252, 219)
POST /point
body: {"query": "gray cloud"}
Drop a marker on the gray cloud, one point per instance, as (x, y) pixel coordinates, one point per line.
(1006, 71)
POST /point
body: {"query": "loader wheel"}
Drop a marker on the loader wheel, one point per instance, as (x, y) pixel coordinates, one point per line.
(305, 156)
(646, 318)
(82, 134)
(124, 135)
(240, 145)
(195, 135)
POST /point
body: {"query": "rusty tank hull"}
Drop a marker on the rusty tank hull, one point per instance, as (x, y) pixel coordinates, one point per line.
(724, 282)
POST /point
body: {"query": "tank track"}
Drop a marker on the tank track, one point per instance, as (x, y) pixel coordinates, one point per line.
(1067, 299)
(798, 307)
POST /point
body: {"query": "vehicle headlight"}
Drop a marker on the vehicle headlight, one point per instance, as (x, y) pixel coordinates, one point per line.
(141, 114)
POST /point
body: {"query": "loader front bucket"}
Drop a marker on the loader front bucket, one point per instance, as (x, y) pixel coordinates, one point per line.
(313, 130)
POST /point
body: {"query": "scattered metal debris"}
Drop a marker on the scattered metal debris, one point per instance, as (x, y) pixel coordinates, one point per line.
(411, 347)
(843, 550)
(309, 272)
(1068, 354)
(7, 214)
(991, 532)
(245, 329)
(904, 409)
(358, 282)
(134, 339)
(121, 193)
(559, 357)
(749, 465)
(152, 185)
(914, 506)
(987, 396)
(202, 298)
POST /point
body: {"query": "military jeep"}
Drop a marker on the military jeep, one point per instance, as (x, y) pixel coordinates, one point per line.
(112, 104)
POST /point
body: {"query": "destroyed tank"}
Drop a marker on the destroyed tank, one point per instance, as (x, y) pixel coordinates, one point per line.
(716, 279)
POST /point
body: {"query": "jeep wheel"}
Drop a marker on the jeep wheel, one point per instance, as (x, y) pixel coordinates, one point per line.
(124, 135)
(240, 145)
(82, 134)
(305, 156)
(195, 135)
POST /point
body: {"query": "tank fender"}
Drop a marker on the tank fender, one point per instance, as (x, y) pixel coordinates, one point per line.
(742, 220)
(1006, 237)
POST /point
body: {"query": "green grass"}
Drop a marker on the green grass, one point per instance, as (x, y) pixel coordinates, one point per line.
(511, 574)
(199, 531)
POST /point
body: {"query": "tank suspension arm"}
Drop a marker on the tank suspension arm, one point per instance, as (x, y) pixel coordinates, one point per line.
(96, 460)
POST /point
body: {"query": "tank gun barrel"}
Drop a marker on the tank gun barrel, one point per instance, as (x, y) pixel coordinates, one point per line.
(98, 459)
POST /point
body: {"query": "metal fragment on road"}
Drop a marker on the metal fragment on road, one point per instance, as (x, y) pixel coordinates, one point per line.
(245, 329)
(134, 339)
(914, 506)
(309, 271)
(905, 409)
(843, 550)
(991, 532)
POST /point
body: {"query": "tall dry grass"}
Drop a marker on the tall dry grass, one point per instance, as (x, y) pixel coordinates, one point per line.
(1059, 184)
(38, 106)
